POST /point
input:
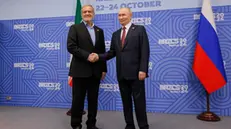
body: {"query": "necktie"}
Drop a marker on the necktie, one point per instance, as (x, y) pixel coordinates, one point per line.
(123, 36)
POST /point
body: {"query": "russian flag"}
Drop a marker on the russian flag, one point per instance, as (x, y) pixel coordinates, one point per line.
(208, 63)
(70, 81)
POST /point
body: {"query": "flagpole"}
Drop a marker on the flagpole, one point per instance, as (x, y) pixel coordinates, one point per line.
(208, 115)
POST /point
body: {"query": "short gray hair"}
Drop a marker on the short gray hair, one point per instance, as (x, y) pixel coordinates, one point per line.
(130, 11)
(88, 5)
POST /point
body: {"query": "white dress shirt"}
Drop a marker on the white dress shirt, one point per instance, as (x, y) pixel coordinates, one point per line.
(127, 28)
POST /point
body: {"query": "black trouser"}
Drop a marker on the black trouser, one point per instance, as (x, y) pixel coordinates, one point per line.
(81, 86)
(135, 89)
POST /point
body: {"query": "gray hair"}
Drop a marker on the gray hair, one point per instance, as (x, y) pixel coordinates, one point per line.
(88, 5)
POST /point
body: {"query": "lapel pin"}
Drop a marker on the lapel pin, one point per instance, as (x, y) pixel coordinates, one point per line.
(97, 30)
(133, 27)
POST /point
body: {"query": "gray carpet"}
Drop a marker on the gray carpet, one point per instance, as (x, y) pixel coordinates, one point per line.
(51, 118)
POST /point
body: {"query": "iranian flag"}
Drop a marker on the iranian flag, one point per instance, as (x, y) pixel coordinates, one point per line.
(78, 19)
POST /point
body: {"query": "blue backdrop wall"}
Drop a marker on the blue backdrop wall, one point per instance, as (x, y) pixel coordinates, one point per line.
(34, 60)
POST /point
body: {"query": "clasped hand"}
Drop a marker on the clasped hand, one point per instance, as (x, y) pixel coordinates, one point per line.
(93, 57)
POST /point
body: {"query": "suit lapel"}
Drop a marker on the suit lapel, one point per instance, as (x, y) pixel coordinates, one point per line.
(85, 31)
(119, 38)
(96, 34)
(128, 36)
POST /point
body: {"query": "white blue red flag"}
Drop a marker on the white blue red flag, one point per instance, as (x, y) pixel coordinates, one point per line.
(208, 63)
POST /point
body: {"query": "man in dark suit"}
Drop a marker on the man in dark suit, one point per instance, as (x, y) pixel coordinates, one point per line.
(83, 39)
(130, 45)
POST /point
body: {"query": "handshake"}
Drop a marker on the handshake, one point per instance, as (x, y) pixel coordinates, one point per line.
(93, 57)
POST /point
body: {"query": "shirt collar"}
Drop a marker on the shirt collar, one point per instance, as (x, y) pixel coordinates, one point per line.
(85, 23)
(128, 25)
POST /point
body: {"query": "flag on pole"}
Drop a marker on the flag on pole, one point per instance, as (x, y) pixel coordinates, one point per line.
(78, 19)
(208, 63)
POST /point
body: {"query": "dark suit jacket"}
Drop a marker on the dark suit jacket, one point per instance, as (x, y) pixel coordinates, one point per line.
(134, 56)
(80, 45)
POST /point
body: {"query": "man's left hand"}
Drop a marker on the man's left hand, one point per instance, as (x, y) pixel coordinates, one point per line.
(142, 75)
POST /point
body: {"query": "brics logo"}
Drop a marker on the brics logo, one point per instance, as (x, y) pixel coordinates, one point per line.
(24, 66)
(110, 87)
(107, 44)
(50, 86)
(24, 27)
(175, 88)
(49, 46)
(174, 42)
(150, 65)
(142, 21)
(68, 24)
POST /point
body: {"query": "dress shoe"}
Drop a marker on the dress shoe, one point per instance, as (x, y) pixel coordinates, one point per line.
(69, 112)
(79, 127)
(130, 127)
(147, 127)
